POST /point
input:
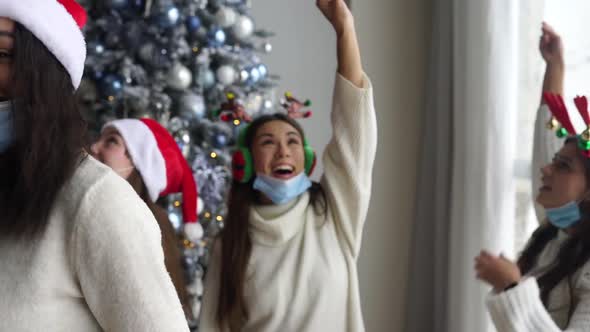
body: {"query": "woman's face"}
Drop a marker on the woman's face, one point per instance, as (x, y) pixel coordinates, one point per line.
(564, 179)
(6, 52)
(277, 150)
(110, 149)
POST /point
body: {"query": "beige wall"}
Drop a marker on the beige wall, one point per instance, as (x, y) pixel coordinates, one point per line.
(394, 37)
(394, 40)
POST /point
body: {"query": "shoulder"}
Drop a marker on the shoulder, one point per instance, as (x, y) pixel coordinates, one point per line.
(95, 192)
(92, 178)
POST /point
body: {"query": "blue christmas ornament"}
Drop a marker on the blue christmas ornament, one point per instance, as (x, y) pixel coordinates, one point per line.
(95, 48)
(254, 75)
(219, 140)
(117, 4)
(206, 78)
(138, 5)
(98, 75)
(262, 70)
(216, 37)
(174, 215)
(169, 17)
(193, 23)
(111, 85)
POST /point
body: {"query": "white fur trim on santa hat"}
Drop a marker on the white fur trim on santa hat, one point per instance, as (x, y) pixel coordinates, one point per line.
(145, 154)
(193, 231)
(53, 25)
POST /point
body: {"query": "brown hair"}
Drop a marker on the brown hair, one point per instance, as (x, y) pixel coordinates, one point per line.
(170, 241)
(236, 244)
(49, 137)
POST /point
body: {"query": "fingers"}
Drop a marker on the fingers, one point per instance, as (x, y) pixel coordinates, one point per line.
(548, 32)
(486, 254)
(482, 271)
(483, 261)
(323, 3)
(548, 29)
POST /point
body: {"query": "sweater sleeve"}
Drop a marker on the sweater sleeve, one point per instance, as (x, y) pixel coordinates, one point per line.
(118, 258)
(207, 320)
(521, 310)
(349, 158)
(545, 145)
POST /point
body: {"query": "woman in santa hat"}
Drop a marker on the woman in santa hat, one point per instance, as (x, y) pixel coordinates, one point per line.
(145, 154)
(79, 251)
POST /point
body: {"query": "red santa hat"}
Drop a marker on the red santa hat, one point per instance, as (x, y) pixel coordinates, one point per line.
(57, 24)
(162, 166)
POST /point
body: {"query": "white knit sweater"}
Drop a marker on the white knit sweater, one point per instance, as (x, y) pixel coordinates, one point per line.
(302, 274)
(98, 266)
(520, 309)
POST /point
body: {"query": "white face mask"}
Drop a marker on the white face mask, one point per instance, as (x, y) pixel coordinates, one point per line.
(282, 191)
(7, 135)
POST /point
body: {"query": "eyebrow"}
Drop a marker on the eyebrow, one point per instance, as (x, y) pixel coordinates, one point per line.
(291, 133)
(264, 135)
(6, 34)
(111, 131)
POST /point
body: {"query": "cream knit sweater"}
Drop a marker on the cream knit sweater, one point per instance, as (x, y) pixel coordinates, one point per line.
(98, 266)
(520, 309)
(302, 275)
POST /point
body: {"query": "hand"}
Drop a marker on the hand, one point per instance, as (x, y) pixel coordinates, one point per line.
(498, 272)
(551, 46)
(337, 13)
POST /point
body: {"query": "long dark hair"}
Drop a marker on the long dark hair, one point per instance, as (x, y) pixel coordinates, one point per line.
(236, 244)
(169, 239)
(574, 252)
(49, 137)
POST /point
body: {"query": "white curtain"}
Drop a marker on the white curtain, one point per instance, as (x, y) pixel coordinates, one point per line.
(466, 194)
(482, 203)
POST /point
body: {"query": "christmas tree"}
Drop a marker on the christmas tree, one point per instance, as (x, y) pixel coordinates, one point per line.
(192, 65)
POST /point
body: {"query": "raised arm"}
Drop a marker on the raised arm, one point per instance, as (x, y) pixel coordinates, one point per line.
(349, 55)
(546, 143)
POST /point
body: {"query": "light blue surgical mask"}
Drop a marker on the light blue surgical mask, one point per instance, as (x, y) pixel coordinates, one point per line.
(564, 216)
(6, 126)
(282, 191)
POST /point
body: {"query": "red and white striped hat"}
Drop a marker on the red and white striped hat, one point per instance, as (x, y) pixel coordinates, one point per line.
(162, 166)
(58, 25)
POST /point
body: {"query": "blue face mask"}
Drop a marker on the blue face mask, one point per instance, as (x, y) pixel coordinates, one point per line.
(6, 126)
(564, 216)
(282, 191)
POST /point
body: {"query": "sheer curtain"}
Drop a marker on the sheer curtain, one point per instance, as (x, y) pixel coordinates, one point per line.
(466, 195)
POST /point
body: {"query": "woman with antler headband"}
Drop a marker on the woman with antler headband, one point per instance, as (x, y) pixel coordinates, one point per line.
(286, 259)
(548, 289)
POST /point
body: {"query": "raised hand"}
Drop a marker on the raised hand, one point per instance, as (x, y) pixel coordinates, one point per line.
(497, 271)
(551, 45)
(337, 13)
